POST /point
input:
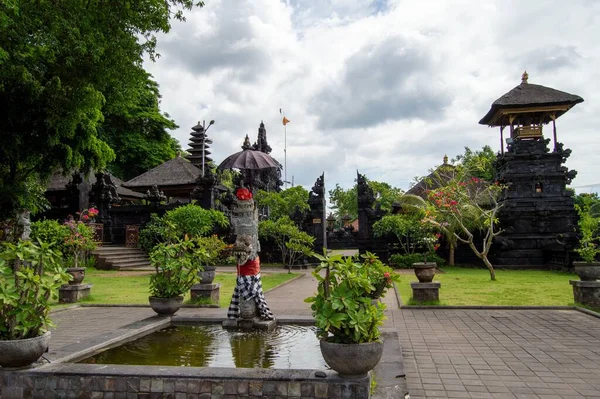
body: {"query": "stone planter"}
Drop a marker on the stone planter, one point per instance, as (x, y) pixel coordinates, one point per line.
(23, 352)
(208, 275)
(352, 360)
(166, 306)
(424, 271)
(78, 274)
(587, 271)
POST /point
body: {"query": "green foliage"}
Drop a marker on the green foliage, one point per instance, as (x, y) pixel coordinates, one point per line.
(462, 207)
(408, 229)
(402, 261)
(381, 276)
(176, 267)
(478, 163)
(138, 133)
(51, 232)
(153, 233)
(283, 203)
(342, 307)
(64, 66)
(214, 247)
(345, 202)
(30, 275)
(194, 221)
(589, 227)
(292, 242)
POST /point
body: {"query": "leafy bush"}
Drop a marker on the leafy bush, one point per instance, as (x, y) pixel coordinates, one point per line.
(153, 233)
(190, 220)
(588, 225)
(194, 220)
(79, 243)
(342, 307)
(30, 275)
(400, 261)
(176, 267)
(51, 232)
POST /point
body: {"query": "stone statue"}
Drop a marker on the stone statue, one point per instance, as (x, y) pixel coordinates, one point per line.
(248, 290)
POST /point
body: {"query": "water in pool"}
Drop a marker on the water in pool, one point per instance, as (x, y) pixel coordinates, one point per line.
(286, 347)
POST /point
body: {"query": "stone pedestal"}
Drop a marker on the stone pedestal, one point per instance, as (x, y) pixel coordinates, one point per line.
(426, 292)
(73, 293)
(210, 291)
(249, 319)
(586, 292)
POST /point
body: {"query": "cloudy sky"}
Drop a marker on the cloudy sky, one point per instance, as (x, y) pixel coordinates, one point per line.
(384, 87)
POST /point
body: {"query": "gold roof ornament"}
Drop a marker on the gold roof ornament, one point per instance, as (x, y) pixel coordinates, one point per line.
(524, 77)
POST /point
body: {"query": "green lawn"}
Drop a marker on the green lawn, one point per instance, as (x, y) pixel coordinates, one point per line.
(465, 286)
(113, 287)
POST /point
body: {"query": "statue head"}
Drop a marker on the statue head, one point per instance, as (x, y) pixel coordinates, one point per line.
(243, 248)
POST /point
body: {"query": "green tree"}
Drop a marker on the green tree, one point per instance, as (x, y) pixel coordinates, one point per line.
(64, 64)
(345, 202)
(292, 242)
(478, 163)
(283, 203)
(138, 134)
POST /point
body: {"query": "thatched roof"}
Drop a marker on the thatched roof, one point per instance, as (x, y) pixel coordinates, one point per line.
(176, 172)
(58, 181)
(438, 178)
(530, 95)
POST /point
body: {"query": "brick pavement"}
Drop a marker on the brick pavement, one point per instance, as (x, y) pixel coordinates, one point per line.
(448, 353)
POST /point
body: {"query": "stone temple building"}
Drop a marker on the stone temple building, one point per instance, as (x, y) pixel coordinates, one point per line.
(538, 217)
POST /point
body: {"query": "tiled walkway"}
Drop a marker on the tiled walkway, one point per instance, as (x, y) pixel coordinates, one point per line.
(448, 353)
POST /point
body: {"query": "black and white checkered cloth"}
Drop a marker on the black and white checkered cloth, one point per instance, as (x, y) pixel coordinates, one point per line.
(249, 287)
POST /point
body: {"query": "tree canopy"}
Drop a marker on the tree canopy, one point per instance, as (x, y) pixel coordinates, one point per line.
(478, 163)
(64, 66)
(283, 203)
(345, 202)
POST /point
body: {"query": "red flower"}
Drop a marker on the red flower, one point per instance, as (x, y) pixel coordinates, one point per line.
(243, 194)
(386, 275)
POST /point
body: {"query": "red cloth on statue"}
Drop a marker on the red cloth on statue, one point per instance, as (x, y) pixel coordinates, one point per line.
(250, 268)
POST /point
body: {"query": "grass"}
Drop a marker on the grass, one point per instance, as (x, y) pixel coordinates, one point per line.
(465, 286)
(131, 288)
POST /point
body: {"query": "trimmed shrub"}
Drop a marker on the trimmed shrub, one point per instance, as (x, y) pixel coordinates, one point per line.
(399, 261)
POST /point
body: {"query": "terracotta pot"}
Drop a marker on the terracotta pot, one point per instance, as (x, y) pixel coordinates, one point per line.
(208, 275)
(587, 271)
(23, 352)
(78, 274)
(166, 306)
(424, 271)
(352, 360)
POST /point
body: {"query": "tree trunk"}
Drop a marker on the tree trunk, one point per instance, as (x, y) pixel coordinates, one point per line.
(490, 267)
(451, 255)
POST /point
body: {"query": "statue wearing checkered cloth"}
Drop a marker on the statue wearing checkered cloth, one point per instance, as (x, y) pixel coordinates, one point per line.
(244, 220)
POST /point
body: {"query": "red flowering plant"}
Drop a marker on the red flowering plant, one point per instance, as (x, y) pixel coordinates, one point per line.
(463, 207)
(381, 276)
(88, 215)
(431, 242)
(80, 240)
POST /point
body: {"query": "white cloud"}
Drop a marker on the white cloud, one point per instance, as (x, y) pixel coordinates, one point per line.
(385, 87)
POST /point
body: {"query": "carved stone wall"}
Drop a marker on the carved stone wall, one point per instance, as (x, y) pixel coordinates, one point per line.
(538, 216)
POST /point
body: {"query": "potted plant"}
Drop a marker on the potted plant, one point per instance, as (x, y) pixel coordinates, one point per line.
(425, 271)
(79, 243)
(346, 318)
(381, 276)
(30, 275)
(176, 266)
(589, 269)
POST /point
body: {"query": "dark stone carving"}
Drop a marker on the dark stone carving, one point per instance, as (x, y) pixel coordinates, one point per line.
(204, 192)
(538, 216)
(105, 195)
(315, 220)
(155, 196)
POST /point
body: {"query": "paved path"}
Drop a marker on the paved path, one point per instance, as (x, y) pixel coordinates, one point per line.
(448, 353)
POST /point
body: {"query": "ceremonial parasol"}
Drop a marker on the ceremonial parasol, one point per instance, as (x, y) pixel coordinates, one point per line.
(248, 159)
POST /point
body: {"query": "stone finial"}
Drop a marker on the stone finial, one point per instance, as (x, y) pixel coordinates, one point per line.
(246, 145)
(178, 154)
(445, 159)
(524, 77)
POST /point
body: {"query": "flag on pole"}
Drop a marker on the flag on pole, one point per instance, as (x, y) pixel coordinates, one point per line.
(285, 121)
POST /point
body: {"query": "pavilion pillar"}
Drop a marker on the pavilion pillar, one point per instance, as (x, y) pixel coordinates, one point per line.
(553, 116)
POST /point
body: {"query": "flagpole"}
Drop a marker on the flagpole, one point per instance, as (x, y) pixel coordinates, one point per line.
(284, 150)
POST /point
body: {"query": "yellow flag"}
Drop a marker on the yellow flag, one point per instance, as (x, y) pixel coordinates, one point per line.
(285, 121)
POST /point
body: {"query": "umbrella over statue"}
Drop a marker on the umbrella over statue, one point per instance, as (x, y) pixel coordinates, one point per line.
(248, 159)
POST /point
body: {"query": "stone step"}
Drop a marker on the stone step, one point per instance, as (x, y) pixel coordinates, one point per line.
(118, 257)
(126, 258)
